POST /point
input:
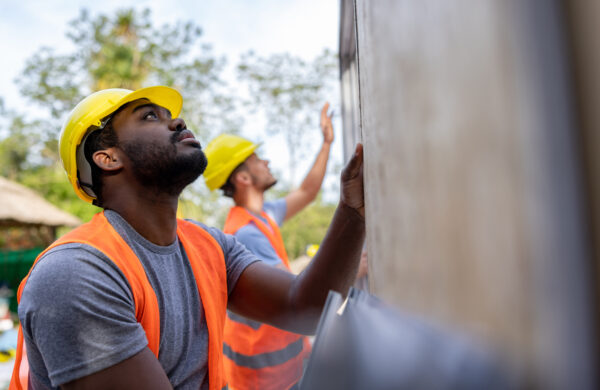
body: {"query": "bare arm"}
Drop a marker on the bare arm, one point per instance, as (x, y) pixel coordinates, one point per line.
(276, 297)
(141, 371)
(308, 190)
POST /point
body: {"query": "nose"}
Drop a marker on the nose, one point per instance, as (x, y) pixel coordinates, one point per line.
(177, 124)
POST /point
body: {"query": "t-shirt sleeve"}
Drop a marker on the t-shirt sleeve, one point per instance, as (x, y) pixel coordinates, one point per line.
(257, 243)
(276, 209)
(78, 312)
(237, 257)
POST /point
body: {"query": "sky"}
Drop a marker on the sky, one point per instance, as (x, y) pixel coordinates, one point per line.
(301, 27)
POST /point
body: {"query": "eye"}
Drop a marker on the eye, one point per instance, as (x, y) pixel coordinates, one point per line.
(150, 115)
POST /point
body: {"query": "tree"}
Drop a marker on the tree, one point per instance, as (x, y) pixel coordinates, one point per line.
(290, 92)
(126, 51)
(14, 146)
(306, 228)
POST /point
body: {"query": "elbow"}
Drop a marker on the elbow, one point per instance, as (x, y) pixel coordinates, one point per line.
(311, 194)
(305, 307)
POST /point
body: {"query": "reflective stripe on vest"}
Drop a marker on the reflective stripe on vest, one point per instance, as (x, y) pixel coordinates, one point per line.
(208, 266)
(259, 356)
(266, 359)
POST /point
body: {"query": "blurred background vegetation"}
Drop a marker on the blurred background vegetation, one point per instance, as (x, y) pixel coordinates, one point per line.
(124, 49)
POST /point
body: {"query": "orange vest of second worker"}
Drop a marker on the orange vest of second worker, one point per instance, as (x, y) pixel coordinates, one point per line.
(208, 266)
(266, 358)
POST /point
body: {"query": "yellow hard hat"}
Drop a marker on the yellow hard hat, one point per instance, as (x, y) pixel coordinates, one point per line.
(224, 154)
(89, 114)
(311, 250)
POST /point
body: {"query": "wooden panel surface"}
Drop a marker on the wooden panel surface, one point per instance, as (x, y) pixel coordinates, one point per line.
(473, 177)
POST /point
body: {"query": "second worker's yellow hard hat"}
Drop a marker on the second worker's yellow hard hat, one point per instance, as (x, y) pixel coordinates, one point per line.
(224, 154)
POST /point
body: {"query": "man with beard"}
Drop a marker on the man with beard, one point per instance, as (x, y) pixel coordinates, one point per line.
(136, 298)
(259, 356)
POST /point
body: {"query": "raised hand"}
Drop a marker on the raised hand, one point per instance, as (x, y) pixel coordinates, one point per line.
(352, 189)
(326, 126)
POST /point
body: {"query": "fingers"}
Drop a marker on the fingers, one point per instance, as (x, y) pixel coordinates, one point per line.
(352, 188)
(354, 166)
(325, 119)
(324, 111)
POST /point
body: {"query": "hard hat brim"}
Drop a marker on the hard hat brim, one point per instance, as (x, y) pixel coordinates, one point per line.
(166, 97)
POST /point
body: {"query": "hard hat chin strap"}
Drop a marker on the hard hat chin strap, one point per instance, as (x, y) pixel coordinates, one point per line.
(84, 169)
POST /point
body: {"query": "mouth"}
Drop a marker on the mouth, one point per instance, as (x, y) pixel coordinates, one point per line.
(187, 137)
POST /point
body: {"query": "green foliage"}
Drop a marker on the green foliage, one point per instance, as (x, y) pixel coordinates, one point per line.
(13, 154)
(52, 81)
(52, 184)
(16, 144)
(26, 158)
(290, 91)
(198, 203)
(123, 50)
(307, 227)
(126, 50)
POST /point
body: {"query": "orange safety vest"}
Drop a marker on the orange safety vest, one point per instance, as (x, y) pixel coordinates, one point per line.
(208, 266)
(267, 357)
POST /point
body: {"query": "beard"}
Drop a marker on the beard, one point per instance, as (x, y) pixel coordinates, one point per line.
(270, 184)
(161, 168)
(264, 185)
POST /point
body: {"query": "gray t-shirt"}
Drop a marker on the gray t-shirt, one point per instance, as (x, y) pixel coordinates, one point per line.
(256, 241)
(78, 314)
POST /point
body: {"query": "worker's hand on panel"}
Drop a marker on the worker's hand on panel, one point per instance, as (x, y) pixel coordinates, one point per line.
(326, 126)
(352, 192)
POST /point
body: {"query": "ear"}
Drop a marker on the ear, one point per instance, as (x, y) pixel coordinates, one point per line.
(242, 179)
(108, 159)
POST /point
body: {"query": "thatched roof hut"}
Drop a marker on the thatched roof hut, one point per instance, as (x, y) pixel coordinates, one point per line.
(22, 207)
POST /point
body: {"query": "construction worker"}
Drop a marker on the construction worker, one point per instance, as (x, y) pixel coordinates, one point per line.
(259, 356)
(137, 298)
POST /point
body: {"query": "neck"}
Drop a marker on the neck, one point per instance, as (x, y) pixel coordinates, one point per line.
(251, 199)
(153, 216)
